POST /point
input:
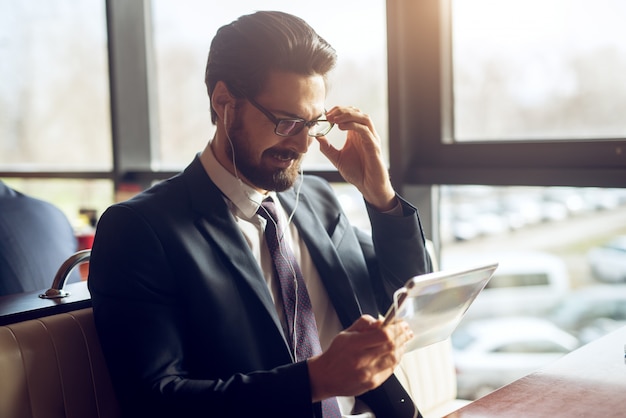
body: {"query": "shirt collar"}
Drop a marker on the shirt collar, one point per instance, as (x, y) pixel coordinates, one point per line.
(243, 197)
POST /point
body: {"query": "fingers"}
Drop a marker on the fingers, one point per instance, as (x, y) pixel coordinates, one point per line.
(362, 142)
(364, 323)
(350, 118)
(359, 359)
(340, 114)
(389, 337)
(360, 160)
(373, 334)
(400, 332)
(332, 153)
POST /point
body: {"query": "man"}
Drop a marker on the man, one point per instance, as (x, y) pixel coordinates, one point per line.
(190, 302)
(35, 239)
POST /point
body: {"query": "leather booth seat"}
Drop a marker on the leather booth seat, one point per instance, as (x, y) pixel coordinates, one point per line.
(53, 367)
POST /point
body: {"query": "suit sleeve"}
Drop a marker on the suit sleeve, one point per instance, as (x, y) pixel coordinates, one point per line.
(398, 253)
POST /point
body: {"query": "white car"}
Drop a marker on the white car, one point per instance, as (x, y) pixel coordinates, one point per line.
(525, 283)
(490, 353)
(591, 312)
(608, 261)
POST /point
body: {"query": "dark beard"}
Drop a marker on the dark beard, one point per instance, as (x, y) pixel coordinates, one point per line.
(275, 180)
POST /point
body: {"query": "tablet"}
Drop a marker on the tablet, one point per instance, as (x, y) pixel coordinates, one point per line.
(433, 304)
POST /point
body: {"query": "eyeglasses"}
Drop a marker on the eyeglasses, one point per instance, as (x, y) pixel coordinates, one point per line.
(293, 126)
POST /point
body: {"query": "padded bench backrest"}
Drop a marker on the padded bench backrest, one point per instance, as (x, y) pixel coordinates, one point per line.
(53, 367)
(428, 374)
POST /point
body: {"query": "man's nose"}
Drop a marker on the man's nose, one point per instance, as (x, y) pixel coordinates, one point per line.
(302, 141)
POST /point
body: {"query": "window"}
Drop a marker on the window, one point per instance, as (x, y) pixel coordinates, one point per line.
(546, 241)
(568, 224)
(431, 96)
(75, 197)
(540, 69)
(55, 93)
(54, 98)
(182, 37)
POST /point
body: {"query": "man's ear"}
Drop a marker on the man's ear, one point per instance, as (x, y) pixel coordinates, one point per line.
(221, 98)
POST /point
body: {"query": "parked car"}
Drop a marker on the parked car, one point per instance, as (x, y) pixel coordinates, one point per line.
(490, 353)
(608, 261)
(592, 311)
(525, 283)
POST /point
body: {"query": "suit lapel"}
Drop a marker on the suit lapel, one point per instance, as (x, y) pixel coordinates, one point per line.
(216, 224)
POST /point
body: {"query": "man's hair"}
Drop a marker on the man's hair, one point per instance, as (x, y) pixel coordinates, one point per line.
(244, 52)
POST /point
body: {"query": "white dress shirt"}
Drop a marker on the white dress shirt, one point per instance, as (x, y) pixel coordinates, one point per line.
(243, 202)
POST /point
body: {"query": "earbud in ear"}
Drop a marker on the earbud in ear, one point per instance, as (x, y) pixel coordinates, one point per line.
(226, 118)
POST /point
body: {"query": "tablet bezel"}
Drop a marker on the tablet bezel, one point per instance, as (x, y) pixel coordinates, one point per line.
(452, 278)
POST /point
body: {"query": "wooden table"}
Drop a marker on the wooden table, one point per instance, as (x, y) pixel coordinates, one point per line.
(588, 382)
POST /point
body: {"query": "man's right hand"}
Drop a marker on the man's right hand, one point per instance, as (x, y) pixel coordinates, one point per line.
(359, 358)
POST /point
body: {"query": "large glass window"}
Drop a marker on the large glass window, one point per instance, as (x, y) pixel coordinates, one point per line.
(561, 274)
(182, 36)
(54, 96)
(539, 69)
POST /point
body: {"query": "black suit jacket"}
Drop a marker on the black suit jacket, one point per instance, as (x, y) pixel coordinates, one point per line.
(186, 319)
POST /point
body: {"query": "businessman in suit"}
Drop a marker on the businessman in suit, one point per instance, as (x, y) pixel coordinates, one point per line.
(186, 295)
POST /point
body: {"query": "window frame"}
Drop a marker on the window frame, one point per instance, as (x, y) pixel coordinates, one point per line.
(421, 117)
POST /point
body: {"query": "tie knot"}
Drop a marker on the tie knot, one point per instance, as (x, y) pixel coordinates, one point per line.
(268, 210)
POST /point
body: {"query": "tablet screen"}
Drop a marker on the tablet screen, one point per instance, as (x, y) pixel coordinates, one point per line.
(433, 304)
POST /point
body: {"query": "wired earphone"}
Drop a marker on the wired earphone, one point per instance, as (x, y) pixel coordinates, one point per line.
(280, 234)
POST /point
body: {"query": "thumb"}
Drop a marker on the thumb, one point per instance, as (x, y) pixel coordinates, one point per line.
(328, 149)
